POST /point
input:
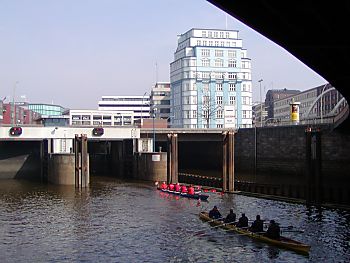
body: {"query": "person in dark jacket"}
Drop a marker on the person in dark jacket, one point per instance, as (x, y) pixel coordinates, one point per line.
(231, 217)
(258, 225)
(273, 231)
(242, 221)
(214, 213)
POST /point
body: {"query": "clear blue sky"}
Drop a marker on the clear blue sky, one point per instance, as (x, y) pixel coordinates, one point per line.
(72, 52)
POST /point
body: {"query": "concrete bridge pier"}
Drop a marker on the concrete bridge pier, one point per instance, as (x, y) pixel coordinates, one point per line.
(228, 162)
(172, 161)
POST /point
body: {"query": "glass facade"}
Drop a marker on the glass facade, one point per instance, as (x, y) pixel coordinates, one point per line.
(47, 109)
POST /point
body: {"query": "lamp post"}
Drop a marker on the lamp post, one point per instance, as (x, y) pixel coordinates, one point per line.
(260, 80)
(154, 131)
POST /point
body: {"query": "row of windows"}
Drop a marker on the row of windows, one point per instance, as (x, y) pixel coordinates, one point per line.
(218, 87)
(206, 52)
(215, 34)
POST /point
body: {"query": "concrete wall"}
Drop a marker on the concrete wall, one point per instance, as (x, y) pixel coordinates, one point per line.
(62, 169)
(20, 160)
(145, 168)
(277, 160)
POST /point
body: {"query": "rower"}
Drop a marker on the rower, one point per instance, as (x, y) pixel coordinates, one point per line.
(231, 217)
(191, 190)
(177, 187)
(257, 225)
(273, 231)
(214, 213)
(242, 221)
(183, 189)
(164, 186)
(171, 187)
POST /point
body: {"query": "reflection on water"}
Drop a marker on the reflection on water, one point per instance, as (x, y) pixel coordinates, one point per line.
(118, 221)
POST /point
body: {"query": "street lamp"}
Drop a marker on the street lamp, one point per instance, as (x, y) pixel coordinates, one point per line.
(260, 80)
(154, 131)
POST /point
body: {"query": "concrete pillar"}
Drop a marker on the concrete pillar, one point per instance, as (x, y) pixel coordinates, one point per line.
(314, 193)
(172, 163)
(228, 162)
(81, 162)
(61, 169)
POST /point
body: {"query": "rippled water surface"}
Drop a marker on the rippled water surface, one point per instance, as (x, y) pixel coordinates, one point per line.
(118, 221)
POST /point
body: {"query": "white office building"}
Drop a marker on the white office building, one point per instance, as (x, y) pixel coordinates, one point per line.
(139, 105)
(210, 80)
(100, 118)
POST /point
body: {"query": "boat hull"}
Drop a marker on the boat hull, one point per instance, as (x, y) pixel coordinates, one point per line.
(195, 196)
(283, 242)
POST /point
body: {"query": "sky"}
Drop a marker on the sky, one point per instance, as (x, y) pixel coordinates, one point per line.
(72, 53)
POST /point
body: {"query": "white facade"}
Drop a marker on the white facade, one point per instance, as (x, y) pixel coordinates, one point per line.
(139, 105)
(100, 118)
(210, 71)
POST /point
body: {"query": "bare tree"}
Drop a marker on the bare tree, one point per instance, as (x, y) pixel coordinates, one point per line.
(208, 110)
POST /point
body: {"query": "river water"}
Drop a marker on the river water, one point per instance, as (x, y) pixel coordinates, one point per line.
(120, 221)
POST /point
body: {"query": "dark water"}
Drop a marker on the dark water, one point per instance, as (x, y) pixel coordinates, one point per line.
(118, 221)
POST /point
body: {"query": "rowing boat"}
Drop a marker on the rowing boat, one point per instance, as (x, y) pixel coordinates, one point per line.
(197, 195)
(283, 242)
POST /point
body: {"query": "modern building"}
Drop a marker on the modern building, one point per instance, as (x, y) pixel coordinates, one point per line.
(46, 109)
(276, 94)
(138, 105)
(210, 81)
(100, 118)
(160, 100)
(316, 105)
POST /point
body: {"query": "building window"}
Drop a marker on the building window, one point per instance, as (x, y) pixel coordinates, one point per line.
(231, 53)
(216, 34)
(198, 42)
(206, 100)
(204, 33)
(227, 34)
(219, 100)
(232, 87)
(205, 52)
(232, 75)
(232, 63)
(205, 87)
(219, 63)
(206, 75)
(232, 100)
(219, 53)
(194, 114)
(205, 62)
(221, 34)
(204, 42)
(216, 43)
(219, 114)
(218, 86)
(219, 126)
